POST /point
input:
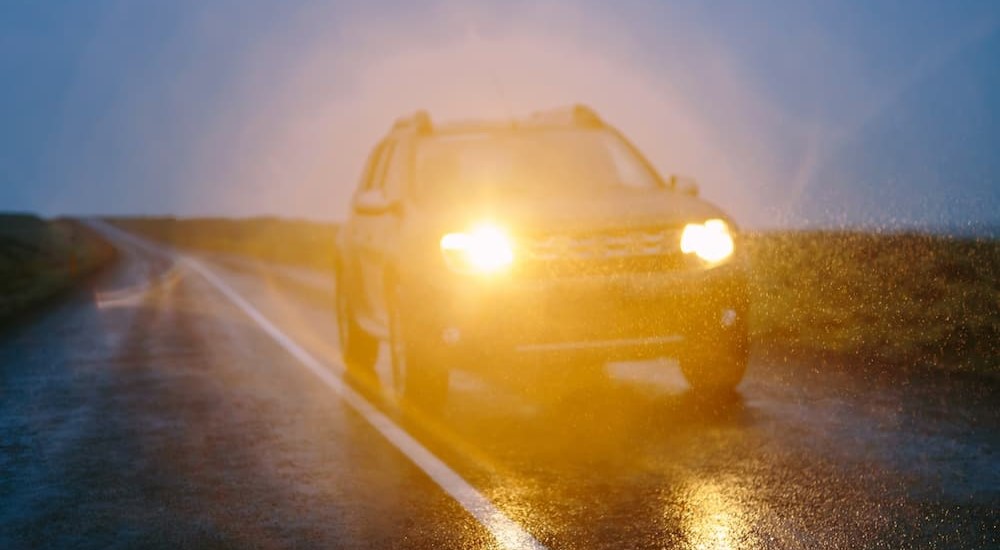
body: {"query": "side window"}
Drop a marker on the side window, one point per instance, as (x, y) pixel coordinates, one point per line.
(374, 167)
(396, 173)
(375, 182)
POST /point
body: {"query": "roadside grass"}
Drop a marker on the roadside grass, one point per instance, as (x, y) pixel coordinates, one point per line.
(900, 300)
(292, 242)
(886, 300)
(40, 258)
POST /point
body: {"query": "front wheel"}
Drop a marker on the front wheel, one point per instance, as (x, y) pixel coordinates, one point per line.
(418, 378)
(360, 349)
(716, 362)
(715, 370)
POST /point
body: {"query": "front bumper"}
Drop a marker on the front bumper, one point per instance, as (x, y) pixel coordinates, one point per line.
(626, 316)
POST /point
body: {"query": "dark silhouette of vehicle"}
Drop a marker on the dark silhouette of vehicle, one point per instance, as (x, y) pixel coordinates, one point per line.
(543, 243)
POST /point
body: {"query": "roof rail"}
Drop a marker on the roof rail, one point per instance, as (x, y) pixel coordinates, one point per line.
(578, 114)
(419, 121)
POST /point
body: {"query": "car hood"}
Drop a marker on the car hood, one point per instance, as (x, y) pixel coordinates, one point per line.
(579, 212)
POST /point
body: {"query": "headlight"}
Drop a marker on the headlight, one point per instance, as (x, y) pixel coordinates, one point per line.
(711, 240)
(483, 249)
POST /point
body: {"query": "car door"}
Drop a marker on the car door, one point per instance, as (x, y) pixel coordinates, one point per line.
(386, 227)
(359, 232)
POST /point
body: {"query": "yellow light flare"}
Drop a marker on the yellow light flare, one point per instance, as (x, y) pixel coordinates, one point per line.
(484, 249)
(710, 241)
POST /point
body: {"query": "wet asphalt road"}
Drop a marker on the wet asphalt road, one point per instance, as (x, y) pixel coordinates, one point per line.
(148, 411)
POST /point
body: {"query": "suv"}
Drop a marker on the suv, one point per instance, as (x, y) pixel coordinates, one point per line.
(497, 247)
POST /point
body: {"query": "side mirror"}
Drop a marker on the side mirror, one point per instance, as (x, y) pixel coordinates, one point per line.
(683, 185)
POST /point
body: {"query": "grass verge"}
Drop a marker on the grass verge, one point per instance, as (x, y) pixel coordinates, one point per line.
(887, 299)
(41, 258)
(293, 242)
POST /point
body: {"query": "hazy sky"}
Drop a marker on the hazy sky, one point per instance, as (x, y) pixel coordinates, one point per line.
(787, 113)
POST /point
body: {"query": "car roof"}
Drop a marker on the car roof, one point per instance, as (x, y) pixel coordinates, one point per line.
(575, 116)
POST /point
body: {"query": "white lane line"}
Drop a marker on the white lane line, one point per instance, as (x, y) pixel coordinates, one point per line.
(506, 531)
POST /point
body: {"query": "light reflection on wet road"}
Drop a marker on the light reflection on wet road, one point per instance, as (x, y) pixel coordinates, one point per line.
(151, 412)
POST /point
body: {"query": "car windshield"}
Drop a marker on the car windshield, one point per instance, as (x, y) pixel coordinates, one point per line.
(528, 161)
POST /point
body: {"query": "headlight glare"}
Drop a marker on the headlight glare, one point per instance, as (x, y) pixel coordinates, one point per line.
(484, 249)
(710, 241)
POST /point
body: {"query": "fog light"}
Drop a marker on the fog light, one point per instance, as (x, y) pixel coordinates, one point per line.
(728, 317)
(451, 336)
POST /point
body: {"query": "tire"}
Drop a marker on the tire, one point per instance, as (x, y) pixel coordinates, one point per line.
(717, 367)
(360, 349)
(418, 376)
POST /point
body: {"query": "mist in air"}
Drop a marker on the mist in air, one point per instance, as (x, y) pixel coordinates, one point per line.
(787, 115)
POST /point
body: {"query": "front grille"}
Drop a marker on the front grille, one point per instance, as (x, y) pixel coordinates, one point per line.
(632, 250)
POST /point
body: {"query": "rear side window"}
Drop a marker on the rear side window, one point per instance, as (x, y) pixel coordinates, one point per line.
(394, 180)
(373, 167)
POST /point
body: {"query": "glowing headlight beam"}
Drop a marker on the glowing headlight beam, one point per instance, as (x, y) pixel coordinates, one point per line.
(710, 241)
(485, 249)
